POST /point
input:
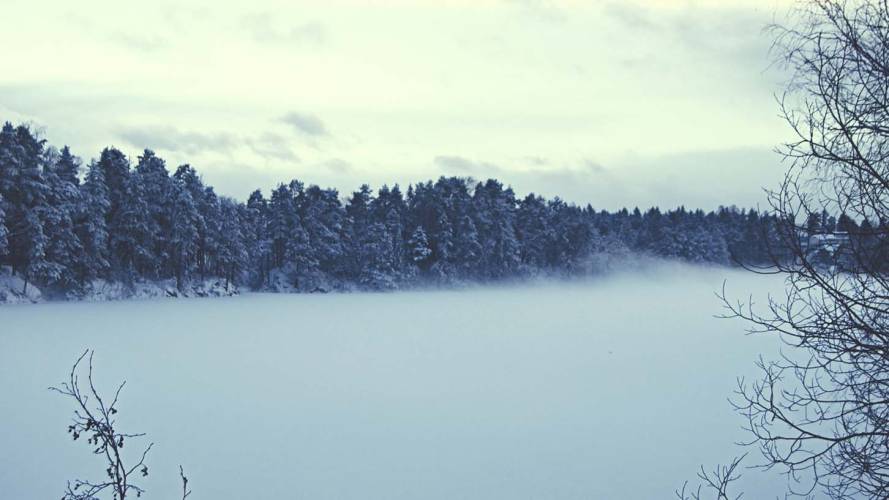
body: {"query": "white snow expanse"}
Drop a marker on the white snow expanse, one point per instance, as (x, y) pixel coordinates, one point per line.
(610, 389)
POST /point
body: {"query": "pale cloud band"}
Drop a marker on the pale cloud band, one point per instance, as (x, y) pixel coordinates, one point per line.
(655, 93)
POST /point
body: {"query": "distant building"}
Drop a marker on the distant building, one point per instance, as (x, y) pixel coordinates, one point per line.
(826, 248)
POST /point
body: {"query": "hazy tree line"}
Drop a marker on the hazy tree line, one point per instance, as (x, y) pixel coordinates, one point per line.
(64, 224)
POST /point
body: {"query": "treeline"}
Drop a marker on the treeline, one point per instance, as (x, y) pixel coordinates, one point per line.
(64, 225)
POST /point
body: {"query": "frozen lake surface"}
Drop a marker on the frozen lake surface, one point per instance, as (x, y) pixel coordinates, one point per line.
(614, 388)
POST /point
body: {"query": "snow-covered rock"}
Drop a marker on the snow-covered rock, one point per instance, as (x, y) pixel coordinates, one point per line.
(101, 290)
(14, 291)
(287, 280)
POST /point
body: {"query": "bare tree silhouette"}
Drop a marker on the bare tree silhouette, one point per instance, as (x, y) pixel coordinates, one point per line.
(820, 412)
(94, 418)
(716, 482)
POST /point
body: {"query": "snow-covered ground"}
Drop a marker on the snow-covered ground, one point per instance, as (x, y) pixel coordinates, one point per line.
(14, 291)
(614, 389)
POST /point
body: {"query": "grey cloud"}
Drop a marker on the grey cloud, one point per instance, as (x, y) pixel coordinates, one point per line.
(736, 35)
(465, 165)
(264, 29)
(700, 179)
(306, 124)
(593, 166)
(239, 179)
(704, 179)
(537, 161)
(172, 139)
(94, 127)
(731, 34)
(272, 146)
(142, 42)
(338, 165)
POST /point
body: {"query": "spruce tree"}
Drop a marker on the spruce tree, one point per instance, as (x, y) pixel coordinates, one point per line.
(92, 226)
(358, 238)
(322, 217)
(116, 173)
(494, 208)
(281, 221)
(153, 186)
(254, 227)
(388, 210)
(67, 167)
(534, 233)
(232, 256)
(23, 186)
(143, 224)
(420, 253)
(182, 239)
(4, 232)
(467, 248)
(130, 232)
(63, 251)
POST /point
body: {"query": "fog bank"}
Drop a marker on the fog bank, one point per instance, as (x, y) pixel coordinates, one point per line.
(610, 388)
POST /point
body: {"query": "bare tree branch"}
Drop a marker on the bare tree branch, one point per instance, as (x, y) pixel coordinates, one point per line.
(820, 412)
(95, 419)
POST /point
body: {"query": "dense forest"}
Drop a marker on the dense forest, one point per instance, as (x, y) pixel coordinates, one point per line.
(64, 225)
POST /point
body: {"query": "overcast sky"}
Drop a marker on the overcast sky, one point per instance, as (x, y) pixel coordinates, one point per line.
(612, 103)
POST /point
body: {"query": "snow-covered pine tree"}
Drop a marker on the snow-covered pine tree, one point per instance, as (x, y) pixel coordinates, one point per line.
(91, 226)
(115, 173)
(182, 239)
(571, 240)
(67, 167)
(153, 185)
(356, 235)
(281, 220)
(418, 245)
(533, 232)
(23, 187)
(254, 227)
(467, 248)
(4, 242)
(232, 252)
(388, 213)
(130, 231)
(302, 257)
(322, 216)
(32, 263)
(442, 244)
(368, 259)
(63, 252)
(494, 208)
(135, 224)
(189, 180)
(211, 241)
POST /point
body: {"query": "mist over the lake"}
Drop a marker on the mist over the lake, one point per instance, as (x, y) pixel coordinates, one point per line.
(614, 387)
(444, 250)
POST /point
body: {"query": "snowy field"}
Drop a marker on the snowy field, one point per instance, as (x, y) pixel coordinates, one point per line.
(610, 389)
